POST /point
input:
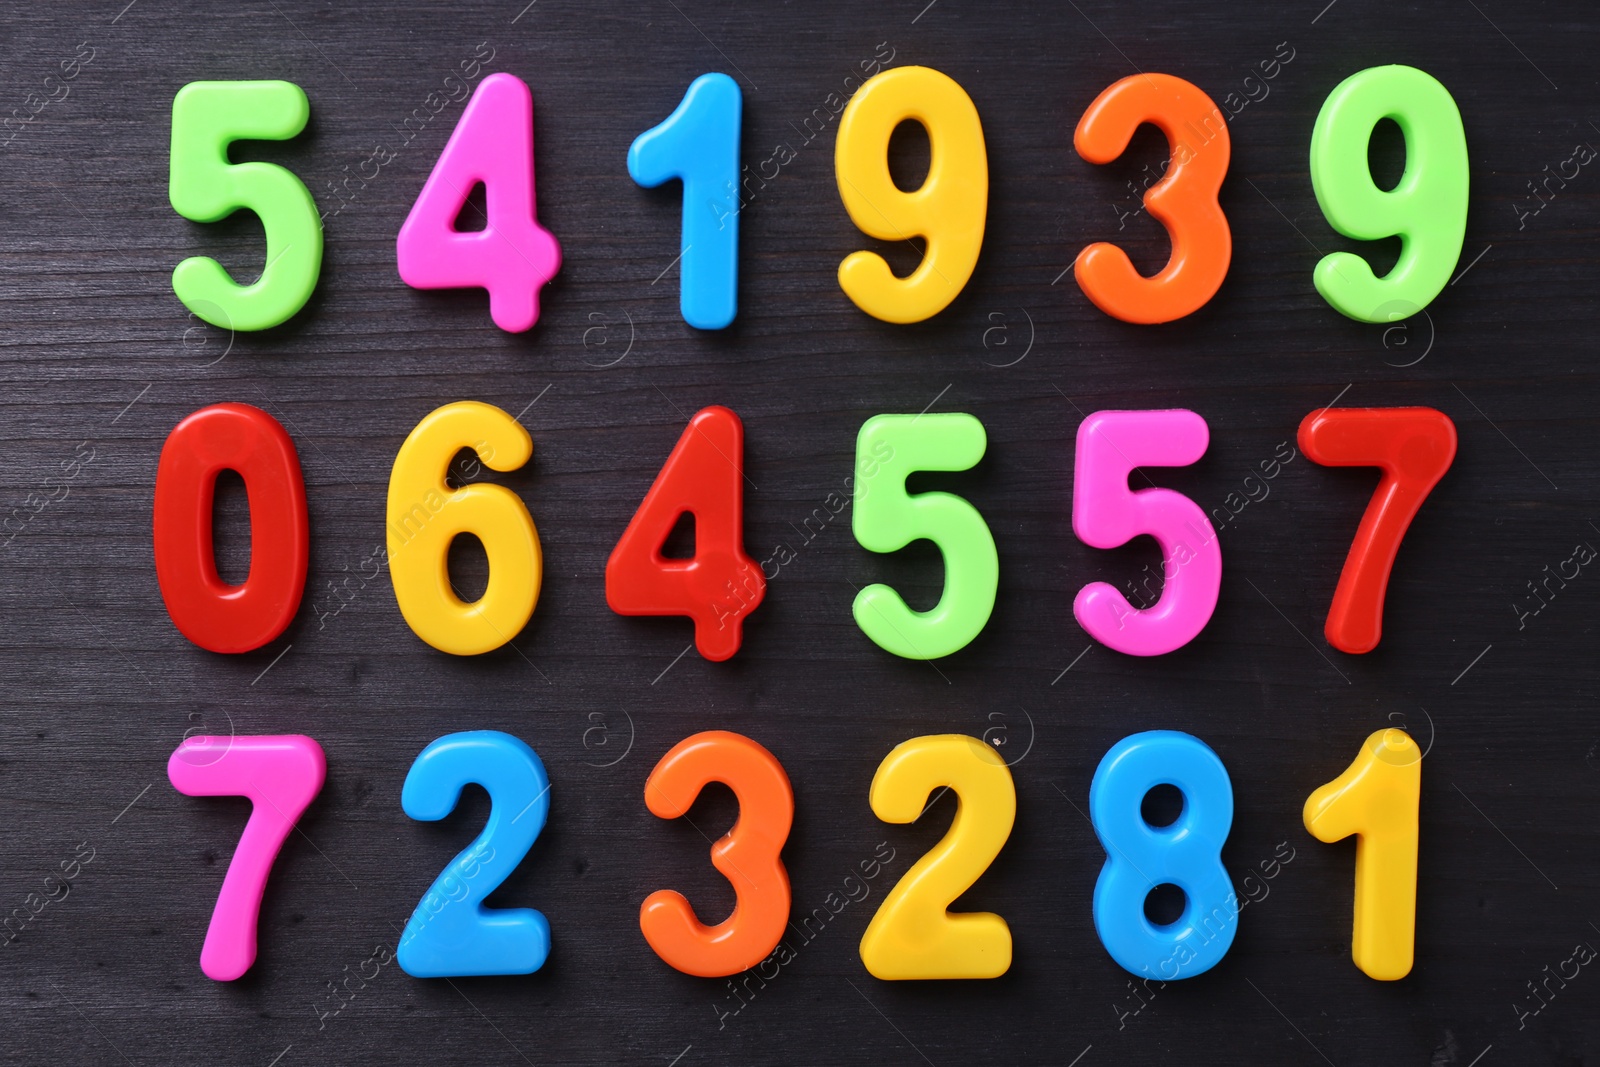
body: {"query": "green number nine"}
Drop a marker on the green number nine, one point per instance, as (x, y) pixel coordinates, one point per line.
(206, 118)
(886, 518)
(1427, 209)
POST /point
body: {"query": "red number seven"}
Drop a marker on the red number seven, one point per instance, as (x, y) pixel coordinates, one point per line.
(208, 611)
(720, 585)
(1413, 447)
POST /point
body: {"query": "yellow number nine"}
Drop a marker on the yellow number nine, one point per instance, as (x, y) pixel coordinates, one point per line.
(948, 211)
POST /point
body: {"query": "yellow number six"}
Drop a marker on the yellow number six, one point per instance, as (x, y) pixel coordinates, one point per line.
(425, 514)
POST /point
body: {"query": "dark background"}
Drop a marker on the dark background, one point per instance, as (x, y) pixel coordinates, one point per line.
(98, 686)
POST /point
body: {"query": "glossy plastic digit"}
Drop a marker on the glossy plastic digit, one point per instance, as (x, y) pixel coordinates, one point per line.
(281, 775)
(886, 518)
(1427, 209)
(699, 144)
(207, 117)
(208, 611)
(1187, 853)
(1377, 799)
(512, 256)
(1184, 200)
(451, 935)
(425, 514)
(914, 934)
(948, 211)
(721, 585)
(1414, 447)
(748, 855)
(1107, 514)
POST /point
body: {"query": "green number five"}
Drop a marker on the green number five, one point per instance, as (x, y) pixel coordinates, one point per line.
(886, 519)
(205, 187)
(1428, 209)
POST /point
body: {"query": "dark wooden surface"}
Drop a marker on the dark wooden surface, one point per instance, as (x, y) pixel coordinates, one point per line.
(98, 687)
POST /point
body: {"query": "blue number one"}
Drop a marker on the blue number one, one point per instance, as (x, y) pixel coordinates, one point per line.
(699, 143)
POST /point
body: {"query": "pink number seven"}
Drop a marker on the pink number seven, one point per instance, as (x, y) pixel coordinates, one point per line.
(281, 775)
(1106, 514)
(513, 256)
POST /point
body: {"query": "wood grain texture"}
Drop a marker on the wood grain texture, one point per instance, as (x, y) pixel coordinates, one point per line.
(98, 687)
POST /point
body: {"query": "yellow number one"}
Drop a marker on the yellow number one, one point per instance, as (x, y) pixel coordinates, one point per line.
(1376, 798)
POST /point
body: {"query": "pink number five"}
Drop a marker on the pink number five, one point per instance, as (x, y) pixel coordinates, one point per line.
(281, 775)
(1106, 514)
(513, 255)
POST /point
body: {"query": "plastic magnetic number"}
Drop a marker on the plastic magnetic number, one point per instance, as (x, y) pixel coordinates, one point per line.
(1427, 209)
(720, 585)
(1377, 798)
(1184, 200)
(512, 256)
(886, 518)
(425, 514)
(208, 611)
(948, 210)
(281, 775)
(913, 934)
(207, 117)
(1106, 514)
(748, 855)
(451, 934)
(699, 144)
(1414, 447)
(1187, 853)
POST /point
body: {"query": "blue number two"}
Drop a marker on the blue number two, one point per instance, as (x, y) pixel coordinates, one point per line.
(451, 934)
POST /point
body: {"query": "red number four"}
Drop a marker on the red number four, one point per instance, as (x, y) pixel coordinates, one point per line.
(720, 585)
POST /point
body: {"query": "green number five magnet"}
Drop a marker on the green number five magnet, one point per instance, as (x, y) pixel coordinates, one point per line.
(1427, 209)
(206, 118)
(886, 518)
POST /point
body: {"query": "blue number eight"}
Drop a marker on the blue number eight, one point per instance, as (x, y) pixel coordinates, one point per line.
(1140, 856)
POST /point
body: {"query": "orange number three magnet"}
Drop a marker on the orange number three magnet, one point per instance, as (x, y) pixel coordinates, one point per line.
(749, 856)
(1184, 201)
